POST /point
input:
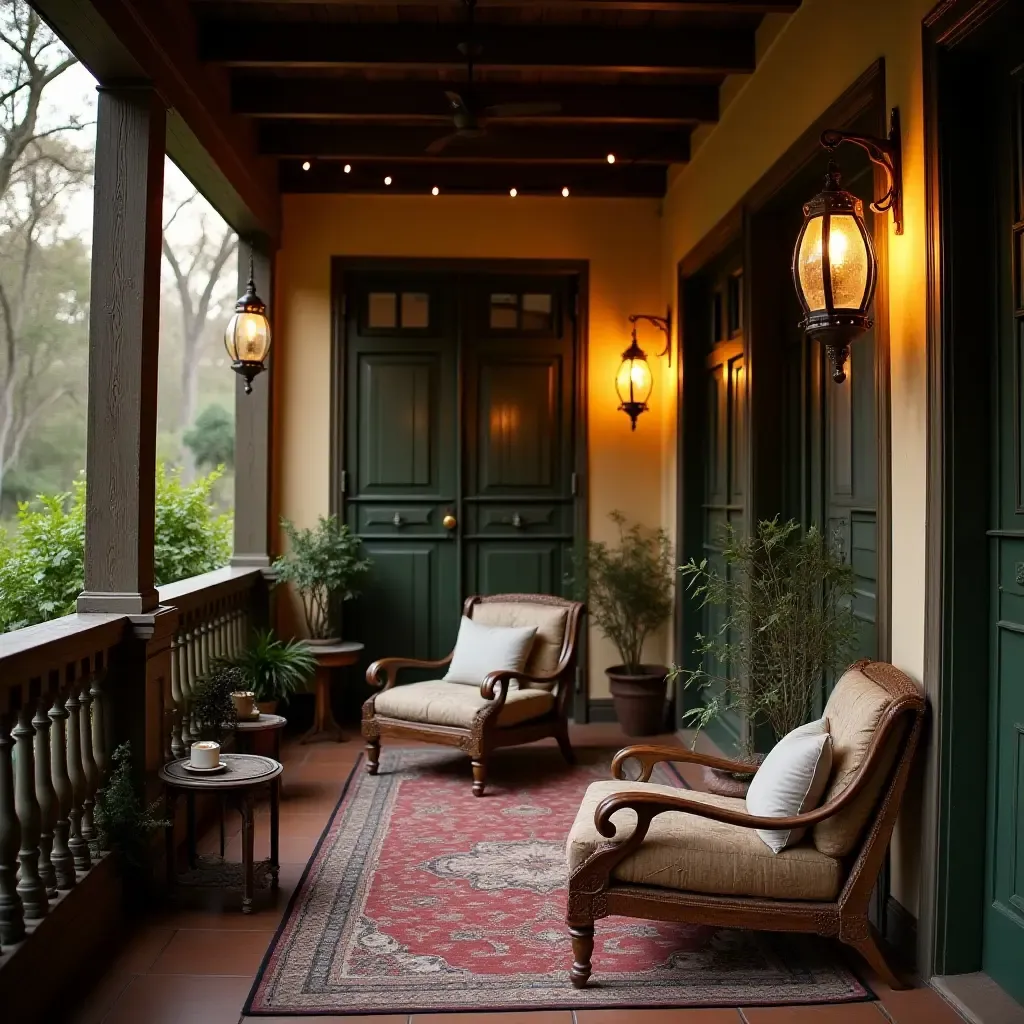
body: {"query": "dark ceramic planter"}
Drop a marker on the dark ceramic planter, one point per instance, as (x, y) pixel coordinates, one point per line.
(639, 698)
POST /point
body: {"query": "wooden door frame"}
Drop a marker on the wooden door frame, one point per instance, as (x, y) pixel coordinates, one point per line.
(867, 93)
(580, 269)
(950, 927)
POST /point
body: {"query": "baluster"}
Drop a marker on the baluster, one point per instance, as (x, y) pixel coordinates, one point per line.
(100, 723)
(30, 886)
(60, 855)
(222, 634)
(188, 679)
(45, 794)
(89, 772)
(76, 840)
(12, 920)
(177, 725)
(199, 632)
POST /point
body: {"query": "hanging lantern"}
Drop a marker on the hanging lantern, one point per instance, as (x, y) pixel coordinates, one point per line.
(247, 336)
(633, 382)
(834, 270)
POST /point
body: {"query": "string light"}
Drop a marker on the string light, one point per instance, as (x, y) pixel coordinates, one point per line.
(610, 158)
(565, 192)
(387, 180)
(305, 165)
(513, 193)
(434, 191)
(347, 168)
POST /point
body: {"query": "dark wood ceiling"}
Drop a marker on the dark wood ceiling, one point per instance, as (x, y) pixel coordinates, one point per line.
(342, 83)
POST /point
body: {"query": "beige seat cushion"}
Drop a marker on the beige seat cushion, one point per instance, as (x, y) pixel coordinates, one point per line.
(439, 703)
(683, 851)
(549, 621)
(853, 712)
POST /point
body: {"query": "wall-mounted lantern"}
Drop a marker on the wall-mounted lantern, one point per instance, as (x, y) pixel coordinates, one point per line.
(634, 382)
(834, 264)
(247, 336)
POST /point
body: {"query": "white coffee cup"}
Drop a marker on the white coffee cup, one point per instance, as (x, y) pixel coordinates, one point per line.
(205, 754)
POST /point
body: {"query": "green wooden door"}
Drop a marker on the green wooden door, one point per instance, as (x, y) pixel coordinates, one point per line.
(725, 451)
(459, 445)
(1003, 951)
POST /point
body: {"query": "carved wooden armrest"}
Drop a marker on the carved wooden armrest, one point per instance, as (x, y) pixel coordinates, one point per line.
(496, 684)
(384, 672)
(649, 756)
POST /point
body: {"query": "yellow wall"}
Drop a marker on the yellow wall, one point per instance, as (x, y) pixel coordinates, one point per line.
(619, 238)
(819, 53)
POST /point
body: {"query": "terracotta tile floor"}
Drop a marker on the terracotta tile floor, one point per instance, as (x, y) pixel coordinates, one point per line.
(195, 965)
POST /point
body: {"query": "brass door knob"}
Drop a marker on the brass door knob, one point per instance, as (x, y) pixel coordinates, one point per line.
(448, 522)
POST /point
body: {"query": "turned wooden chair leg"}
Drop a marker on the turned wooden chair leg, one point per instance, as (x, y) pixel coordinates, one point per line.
(565, 746)
(372, 756)
(582, 950)
(870, 950)
(479, 776)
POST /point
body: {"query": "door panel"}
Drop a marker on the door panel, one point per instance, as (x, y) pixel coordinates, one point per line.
(459, 445)
(1003, 952)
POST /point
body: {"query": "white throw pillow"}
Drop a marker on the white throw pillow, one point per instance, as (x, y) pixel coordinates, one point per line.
(792, 779)
(480, 650)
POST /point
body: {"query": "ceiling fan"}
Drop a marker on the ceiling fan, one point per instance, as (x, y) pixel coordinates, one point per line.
(471, 123)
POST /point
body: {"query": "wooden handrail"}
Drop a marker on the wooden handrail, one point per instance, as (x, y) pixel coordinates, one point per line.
(197, 591)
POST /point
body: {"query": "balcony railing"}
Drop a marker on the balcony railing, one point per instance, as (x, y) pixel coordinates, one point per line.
(59, 684)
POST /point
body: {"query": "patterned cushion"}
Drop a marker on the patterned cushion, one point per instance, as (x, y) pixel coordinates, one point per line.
(853, 713)
(439, 703)
(693, 854)
(550, 622)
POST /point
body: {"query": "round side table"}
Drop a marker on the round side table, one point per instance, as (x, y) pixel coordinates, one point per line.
(245, 731)
(329, 657)
(244, 774)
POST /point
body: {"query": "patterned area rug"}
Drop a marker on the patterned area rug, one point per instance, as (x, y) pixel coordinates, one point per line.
(422, 897)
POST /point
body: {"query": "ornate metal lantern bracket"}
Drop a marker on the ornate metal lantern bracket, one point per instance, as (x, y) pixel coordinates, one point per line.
(884, 153)
(663, 323)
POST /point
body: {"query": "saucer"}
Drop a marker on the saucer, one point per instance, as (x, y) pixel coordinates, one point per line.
(189, 767)
(250, 718)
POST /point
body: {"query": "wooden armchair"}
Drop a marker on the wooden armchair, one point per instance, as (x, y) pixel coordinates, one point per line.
(496, 715)
(708, 865)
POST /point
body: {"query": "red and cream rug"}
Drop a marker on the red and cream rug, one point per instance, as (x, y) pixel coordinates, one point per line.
(422, 897)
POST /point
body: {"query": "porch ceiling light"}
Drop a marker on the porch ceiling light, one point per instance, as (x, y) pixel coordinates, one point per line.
(247, 336)
(634, 381)
(834, 263)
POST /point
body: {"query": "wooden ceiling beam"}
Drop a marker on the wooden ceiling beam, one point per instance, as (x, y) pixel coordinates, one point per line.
(334, 99)
(677, 50)
(468, 178)
(678, 6)
(505, 143)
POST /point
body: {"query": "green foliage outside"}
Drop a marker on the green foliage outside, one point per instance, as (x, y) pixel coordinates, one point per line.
(787, 623)
(211, 439)
(324, 564)
(628, 588)
(42, 562)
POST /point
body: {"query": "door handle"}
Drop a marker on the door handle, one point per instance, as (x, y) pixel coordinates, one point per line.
(449, 522)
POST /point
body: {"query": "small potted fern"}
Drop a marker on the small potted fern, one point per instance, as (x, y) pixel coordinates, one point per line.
(274, 669)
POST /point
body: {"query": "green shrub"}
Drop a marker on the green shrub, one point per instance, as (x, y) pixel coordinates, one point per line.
(42, 564)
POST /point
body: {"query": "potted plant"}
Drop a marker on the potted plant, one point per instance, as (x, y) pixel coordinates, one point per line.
(211, 707)
(628, 591)
(787, 623)
(274, 669)
(125, 825)
(325, 564)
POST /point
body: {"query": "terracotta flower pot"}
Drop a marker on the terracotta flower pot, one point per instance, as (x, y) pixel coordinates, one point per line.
(639, 698)
(267, 707)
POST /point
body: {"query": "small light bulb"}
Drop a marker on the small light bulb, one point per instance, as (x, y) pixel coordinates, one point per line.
(565, 192)
(434, 191)
(387, 180)
(305, 165)
(513, 193)
(347, 168)
(611, 158)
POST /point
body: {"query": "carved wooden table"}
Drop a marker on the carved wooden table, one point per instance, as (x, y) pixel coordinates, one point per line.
(328, 658)
(244, 774)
